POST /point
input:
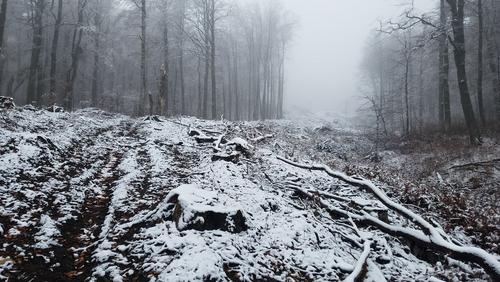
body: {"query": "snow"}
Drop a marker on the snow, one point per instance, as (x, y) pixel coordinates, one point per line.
(47, 235)
(193, 200)
(115, 178)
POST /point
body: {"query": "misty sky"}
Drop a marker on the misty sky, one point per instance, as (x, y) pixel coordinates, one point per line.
(323, 61)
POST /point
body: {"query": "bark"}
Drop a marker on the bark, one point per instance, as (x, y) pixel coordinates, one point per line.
(228, 104)
(144, 89)
(281, 83)
(35, 51)
(257, 89)
(494, 69)
(206, 52)
(3, 20)
(444, 71)
(76, 51)
(235, 84)
(40, 86)
(407, 92)
(480, 62)
(421, 93)
(212, 59)
(200, 94)
(95, 71)
(181, 58)
(53, 52)
(457, 10)
(164, 75)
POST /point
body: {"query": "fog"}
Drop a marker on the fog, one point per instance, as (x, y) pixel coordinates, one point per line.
(324, 57)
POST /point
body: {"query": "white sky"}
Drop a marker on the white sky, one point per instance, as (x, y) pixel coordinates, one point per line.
(323, 61)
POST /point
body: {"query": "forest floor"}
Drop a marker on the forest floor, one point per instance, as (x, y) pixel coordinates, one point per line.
(103, 197)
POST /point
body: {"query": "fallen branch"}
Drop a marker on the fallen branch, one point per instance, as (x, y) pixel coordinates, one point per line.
(482, 163)
(429, 236)
(360, 268)
(262, 138)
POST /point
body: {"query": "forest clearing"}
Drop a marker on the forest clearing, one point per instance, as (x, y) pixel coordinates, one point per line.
(106, 197)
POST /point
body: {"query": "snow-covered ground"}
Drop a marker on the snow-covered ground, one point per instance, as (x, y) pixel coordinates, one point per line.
(104, 197)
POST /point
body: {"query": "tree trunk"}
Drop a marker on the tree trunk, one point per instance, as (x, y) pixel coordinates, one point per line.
(75, 58)
(200, 94)
(144, 91)
(53, 53)
(206, 53)
(228, 106)
(235, 84)
(181, 57)
(281, 84)
(3, 19)
(457, 10)
(95, 72)
(493, 66)
(480, 62)
(421, 93)
(444, 72)
(164, 85)
(212, 59)
(407, 91)
(35, 51)
(41, 79)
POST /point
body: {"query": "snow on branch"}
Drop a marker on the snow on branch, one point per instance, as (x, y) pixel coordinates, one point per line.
(428, 236)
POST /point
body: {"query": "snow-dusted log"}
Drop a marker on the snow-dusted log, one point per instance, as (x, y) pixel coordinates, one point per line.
(205, 139)
(429, 236)
(262, 138)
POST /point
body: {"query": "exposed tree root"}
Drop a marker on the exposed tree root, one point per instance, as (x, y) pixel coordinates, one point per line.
(429, 236)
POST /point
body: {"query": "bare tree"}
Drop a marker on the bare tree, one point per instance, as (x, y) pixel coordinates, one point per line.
(480, 62)
(457, 12)
(76, 51)
(37, 25)
(3, 19)
(98, 19)
(444, 71)
(53, 54)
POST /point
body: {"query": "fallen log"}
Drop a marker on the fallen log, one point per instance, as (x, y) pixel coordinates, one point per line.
(262, 138)
(205, 139)
(476, 164)
(428, 237)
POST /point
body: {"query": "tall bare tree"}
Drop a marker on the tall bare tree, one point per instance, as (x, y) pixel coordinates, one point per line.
(3, 19)
(480, 48)
(76, 52)
(457, 23)
(38, 7)
(54, 48)
(444, 71)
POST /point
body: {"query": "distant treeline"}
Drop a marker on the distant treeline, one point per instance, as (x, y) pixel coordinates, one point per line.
(206, 58)
(436, 71)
